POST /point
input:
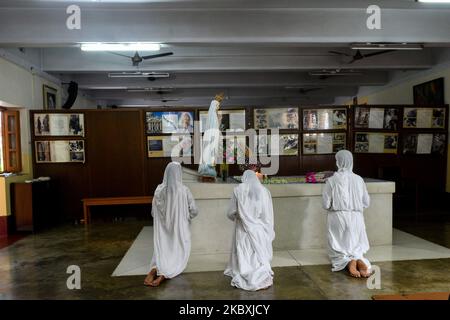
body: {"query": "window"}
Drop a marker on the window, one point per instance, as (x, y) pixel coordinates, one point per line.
(10, 155)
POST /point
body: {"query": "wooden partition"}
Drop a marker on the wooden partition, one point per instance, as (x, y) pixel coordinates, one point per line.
(116, 161)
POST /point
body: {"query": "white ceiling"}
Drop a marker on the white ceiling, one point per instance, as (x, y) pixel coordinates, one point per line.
(258, 52)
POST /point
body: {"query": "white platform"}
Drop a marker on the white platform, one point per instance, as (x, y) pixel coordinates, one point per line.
(300, 220)
(405, 247)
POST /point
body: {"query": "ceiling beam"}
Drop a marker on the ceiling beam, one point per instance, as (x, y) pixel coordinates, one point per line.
(71, 60)
(221, 25)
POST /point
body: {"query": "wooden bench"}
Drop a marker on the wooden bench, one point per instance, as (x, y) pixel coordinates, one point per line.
(87, 202)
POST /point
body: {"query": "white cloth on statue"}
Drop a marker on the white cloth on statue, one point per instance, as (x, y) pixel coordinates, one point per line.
(251, 252)
(172, 209)
(210, 142)
(345, 197)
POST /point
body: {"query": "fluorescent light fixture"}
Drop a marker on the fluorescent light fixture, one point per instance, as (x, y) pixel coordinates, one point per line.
(121, 46)
(150, 89)
(335, 73)
(386, 46)
(138, 74)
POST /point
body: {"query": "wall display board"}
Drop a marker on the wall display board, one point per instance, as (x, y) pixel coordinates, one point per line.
(287, 145)
(325, 119)
(58, 124)
(376, 118)
(276, 118)
(229, 120)
(374, 142)
(424, 118)
(424, 143)
(168, 146)
(169, 122)
(60, 151)
(324, 143)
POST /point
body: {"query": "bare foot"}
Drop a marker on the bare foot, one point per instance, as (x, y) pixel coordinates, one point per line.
(363, 270)
(157, 281)
(150, 277)
(351, 266)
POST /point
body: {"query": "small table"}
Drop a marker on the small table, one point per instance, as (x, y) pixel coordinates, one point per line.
(87, 202)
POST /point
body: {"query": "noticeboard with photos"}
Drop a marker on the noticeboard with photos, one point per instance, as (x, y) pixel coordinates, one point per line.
(325, 119)
(276, 118)
(368, 117)
(59, 151)
(167, 122)
(169, 146)
(58, 124)
(376, 142)
(424, 118)
(424, 143)
(324, 143)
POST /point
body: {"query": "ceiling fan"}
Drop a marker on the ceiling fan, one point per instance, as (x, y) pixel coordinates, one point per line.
(359, 56)
(137, 59)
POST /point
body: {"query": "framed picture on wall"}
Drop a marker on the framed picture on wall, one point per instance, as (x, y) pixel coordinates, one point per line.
(168, 146)
(424, 118)
(49, 96)
(287, 145)
(376, 118)
(170, 122)
(374, 142)
(430, 93)
(323, 143)
(276, 118)
(58, 124)
(324, 119)
(60, 151)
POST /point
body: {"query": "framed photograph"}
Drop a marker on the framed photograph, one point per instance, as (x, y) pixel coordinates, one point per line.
(42, 149)
(287, 145)
(276, 118)
(60, 151)
(324, 119)
(375, 142)
(169, 122)
(76, 124)
(424, 118)
(362, 115)
(429, 93)
(76, 149)
(58, 124)
(41, 124)
(49, 96)
(323, 143)
(438, 145)
(168, 146)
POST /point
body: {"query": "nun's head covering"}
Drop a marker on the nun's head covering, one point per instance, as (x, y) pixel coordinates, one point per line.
(251, 180)
(172, 184)
(344, 161)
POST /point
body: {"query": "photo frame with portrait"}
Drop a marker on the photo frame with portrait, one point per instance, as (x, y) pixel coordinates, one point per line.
(49, 95)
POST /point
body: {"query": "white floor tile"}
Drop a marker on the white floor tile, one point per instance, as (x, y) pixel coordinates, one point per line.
(405, 247)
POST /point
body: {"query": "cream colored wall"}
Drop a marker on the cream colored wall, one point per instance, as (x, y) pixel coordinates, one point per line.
(22, 89)
(401, 92)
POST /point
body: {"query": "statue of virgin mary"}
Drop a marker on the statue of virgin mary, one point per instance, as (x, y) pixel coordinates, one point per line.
(210, 141)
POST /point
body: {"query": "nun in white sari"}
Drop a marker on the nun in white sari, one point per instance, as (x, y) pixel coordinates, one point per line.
(173, 208)
(251, 252)
(345, 197)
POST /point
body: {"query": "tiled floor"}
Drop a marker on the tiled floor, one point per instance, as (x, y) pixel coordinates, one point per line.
(35, 268)
(405, 247)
